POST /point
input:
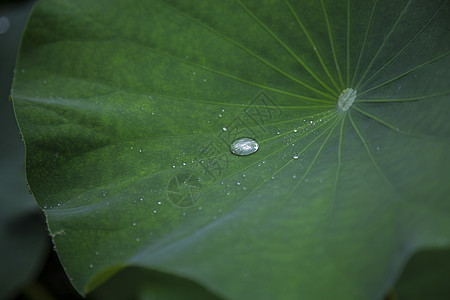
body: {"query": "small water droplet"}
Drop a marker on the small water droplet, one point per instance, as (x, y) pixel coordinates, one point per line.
(224, 128)
(91, 266)
(134, 223)
(295, 156)
(295, 130)
(244, 146)
(141, 199)
(97, 253)
(378, 148)
(138, 239)
(238, 183)
(155, 211)
(159, 202)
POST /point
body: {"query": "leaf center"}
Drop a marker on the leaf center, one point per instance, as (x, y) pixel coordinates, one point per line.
(346, 99)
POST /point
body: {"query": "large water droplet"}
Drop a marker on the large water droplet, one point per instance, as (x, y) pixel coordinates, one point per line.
(244, 146)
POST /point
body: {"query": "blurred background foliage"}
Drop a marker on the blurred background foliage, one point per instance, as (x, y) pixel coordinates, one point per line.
(30, 270)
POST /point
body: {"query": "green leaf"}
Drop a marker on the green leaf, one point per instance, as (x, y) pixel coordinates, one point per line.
(23, 237)
(425, 276)
(144, 284)
(128, 110)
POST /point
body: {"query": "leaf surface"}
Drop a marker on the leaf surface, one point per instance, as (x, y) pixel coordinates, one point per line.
(128, 109)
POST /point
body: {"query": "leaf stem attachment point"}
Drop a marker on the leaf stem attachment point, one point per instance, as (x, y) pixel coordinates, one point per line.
(346, 99)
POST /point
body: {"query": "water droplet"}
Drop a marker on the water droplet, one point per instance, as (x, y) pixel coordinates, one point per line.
(244, 146)
(140, 150)
(97, 253)
(138, 239)
(378, 148)
(295, 130)
(91, 266)
(155, 211)
(134, 223)
(141, 199)
(224, 128)
(159, 202)
(295, 156)
(238, 183)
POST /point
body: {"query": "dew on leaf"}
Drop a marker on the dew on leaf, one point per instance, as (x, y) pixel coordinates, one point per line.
(346, 99)
(244, 146)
